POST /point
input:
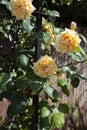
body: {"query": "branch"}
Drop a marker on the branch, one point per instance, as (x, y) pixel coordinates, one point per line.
(73, 63)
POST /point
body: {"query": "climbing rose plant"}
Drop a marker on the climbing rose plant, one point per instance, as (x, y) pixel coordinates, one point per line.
(22, 77)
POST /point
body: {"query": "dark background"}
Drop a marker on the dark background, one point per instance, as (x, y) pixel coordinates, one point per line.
(76, 11)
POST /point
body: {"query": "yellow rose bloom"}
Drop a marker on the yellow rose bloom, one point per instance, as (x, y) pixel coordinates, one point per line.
(73, 25)
(45, 67)
(21, 9)
(67, 41)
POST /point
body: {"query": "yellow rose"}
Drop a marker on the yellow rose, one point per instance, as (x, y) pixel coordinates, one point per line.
(45, 67)
(73, 25)
(67, 41)
(21, 9)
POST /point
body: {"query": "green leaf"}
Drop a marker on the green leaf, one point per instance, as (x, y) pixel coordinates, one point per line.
(56, 120)
(79, 49)
(22, 61)
(82, 51)
(27, 25)
(83, 38)
(44, 123)
(75, 82)
(4, 79)
(54, 109)
(54, 13)
(16, 103)
(52, 18)
(67, 2)
(35, 86)
(1, 29)
(74, 111)
(6, 3)
(44, 112)
(46, 37)
(73, 68)
(68, 74)
(63, 107)
(3, 32)
(33, 77)
(64, 69)
(65, 89)
(61, 82)
(51, 92)
(23, 84)
(77, 56)
(35, 82)
(43, 103)
(81, 76)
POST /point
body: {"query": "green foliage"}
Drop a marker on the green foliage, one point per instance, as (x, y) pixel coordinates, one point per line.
(64, 86)
(49, 13)
(44, 112)
(16, 103)
(68, 2)
(56, 120)
(6, 3)
(66, 90)
(18, 81)
(51, 92)
(83, 38)
(61, 82)
(75, 81)
(75, 111)
(65, 69)
(22, 60)
(28, 26)
(63, 107)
